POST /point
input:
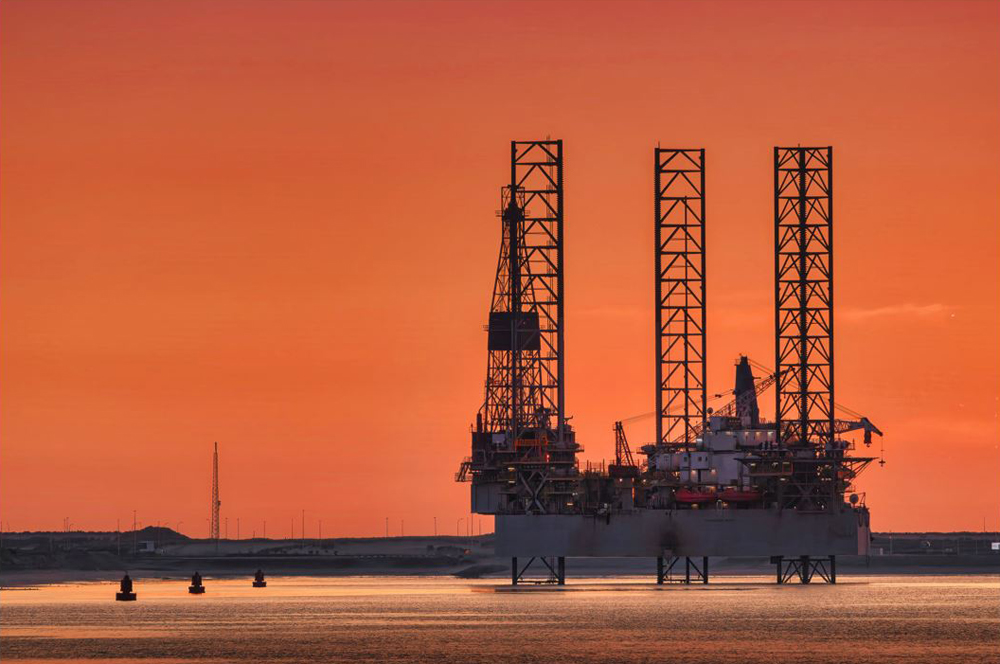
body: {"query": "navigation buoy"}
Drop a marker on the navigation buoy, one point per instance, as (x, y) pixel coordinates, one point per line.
(196, 587)
(258, 580)
(125, 594)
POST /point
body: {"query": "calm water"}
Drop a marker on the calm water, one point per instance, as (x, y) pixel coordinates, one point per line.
(873, 619)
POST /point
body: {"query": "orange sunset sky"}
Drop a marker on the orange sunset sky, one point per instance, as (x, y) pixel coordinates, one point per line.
(272, 225)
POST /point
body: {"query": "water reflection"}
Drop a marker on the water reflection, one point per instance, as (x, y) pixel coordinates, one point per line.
(930, 619)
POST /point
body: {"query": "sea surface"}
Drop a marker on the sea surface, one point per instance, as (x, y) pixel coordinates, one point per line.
(438, 619)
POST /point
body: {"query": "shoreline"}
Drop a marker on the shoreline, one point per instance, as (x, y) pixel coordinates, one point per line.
(181, 569)
(161, 553)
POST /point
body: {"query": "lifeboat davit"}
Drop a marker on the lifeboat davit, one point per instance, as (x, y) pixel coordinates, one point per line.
(690, 496)
(740, 495)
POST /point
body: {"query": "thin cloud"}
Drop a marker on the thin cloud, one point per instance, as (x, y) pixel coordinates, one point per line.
(907, 310)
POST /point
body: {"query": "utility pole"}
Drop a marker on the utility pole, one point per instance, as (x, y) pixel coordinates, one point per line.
(402, 526)
(303, 524)
(435, 526)
(265, 528)
(237, 527)
(321, 529)
(387, 526)
(118, 530)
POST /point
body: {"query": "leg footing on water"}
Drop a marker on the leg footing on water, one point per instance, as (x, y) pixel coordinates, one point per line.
(556, 567)
(665, 565)
(805, 568)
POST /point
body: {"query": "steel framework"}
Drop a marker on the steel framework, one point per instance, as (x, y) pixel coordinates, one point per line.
(556, 568)
(805, 568)
(511, 372)
(679, 176)
(216, 503)
(536, 172)
(524, 451)
(525, 375)
(803, 266)
(664, 568)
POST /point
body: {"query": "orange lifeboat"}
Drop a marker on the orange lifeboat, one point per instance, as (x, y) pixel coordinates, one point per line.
(732, 495)
(690, 496)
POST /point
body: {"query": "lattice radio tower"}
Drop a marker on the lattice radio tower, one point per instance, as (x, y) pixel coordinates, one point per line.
(216, 503)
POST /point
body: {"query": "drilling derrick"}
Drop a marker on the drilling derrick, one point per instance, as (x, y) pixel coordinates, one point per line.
(514, 393)
(680, 295)
(523, 450)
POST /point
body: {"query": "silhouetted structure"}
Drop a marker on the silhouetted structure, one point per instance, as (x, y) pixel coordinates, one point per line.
(679, 178)
(125, 593)
(258, 580)
(745, 405)
(522, 440)
(216, 503)
(196, 587)
(523, 448)
(803, 295)
(713, 483)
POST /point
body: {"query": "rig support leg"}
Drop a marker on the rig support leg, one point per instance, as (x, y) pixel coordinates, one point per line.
(659, 570)
(687, 570)
(513, 571)
(561, 575)
(704, 569)
(805, 569)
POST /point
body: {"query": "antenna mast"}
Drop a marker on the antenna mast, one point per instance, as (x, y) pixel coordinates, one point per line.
(216, 503)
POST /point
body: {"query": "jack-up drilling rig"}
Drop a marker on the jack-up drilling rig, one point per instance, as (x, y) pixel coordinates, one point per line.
(713, 483)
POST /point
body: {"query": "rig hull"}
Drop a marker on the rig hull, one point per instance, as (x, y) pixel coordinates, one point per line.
(653, 533)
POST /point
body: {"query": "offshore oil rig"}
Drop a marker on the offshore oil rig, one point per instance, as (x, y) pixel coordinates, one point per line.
(723, 482)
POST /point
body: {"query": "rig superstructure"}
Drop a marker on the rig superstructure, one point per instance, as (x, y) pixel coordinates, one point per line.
(523, 449)
(714, 483)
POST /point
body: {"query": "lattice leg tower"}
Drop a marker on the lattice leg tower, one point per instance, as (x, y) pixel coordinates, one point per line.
(803, 265)
(680, 294)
